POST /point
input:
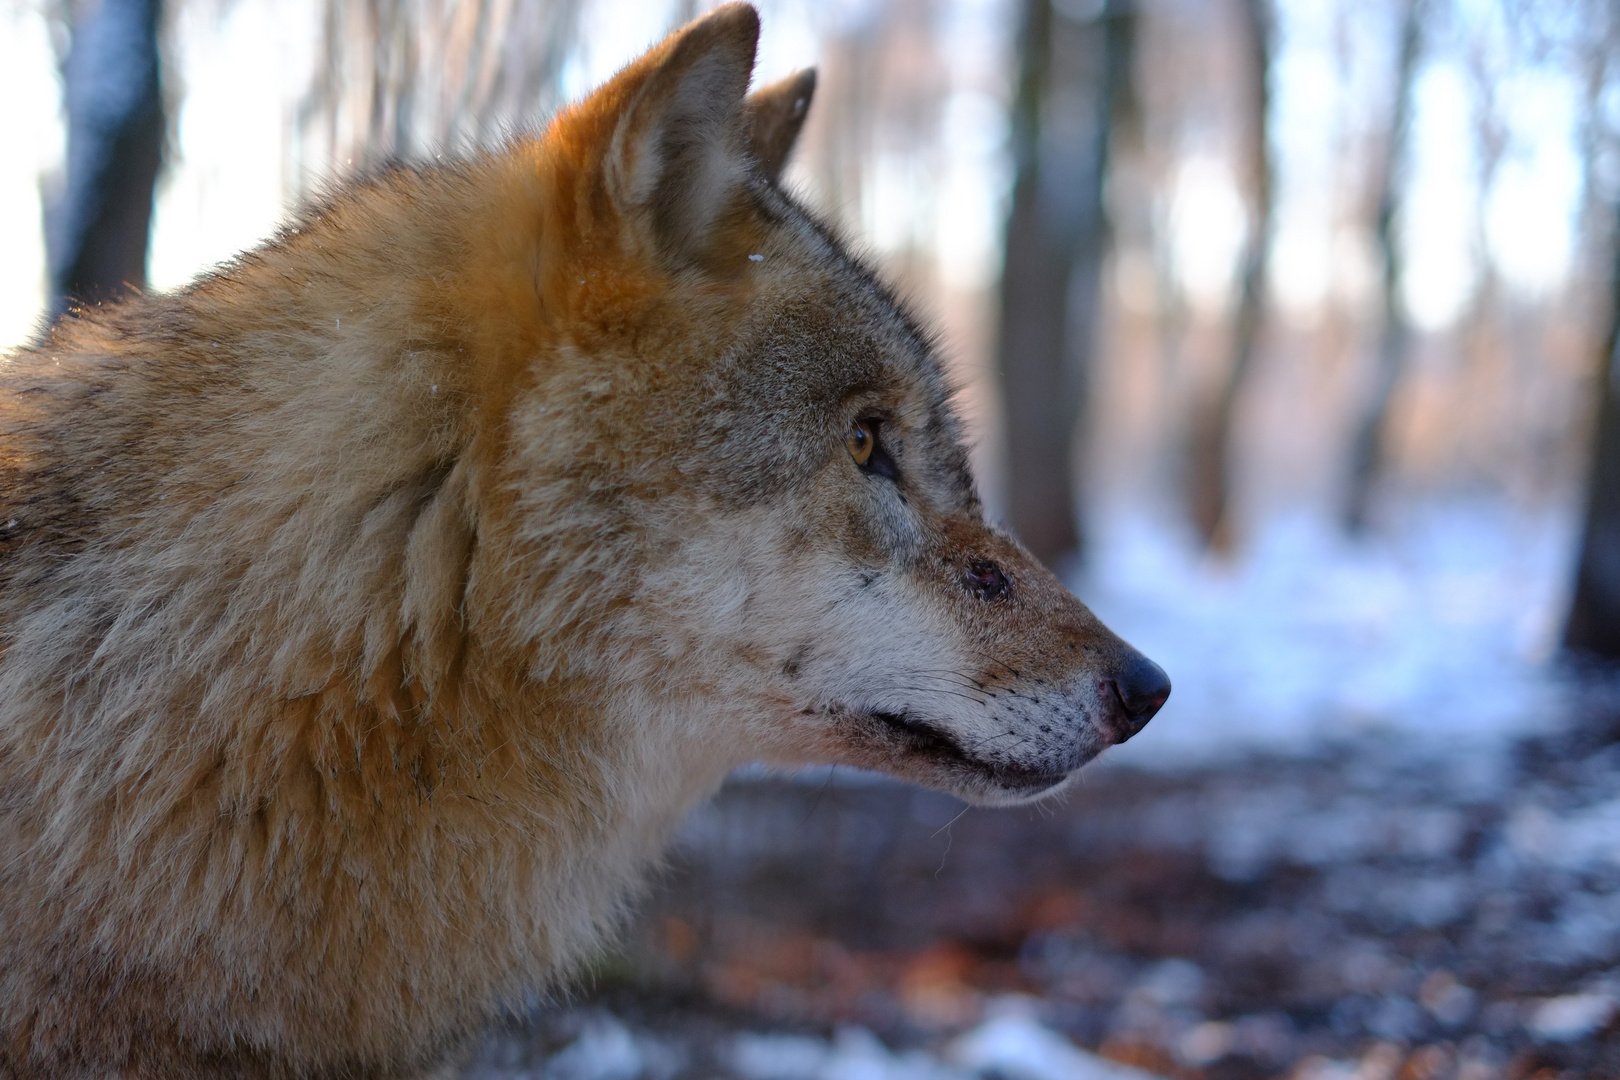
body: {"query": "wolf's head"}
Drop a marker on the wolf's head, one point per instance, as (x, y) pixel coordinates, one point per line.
(766, 436)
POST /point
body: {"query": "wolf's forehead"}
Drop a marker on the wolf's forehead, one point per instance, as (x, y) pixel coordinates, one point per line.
(836, 345)
(849, 323)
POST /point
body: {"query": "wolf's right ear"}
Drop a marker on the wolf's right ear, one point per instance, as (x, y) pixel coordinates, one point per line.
(679, 155)
(776, 114)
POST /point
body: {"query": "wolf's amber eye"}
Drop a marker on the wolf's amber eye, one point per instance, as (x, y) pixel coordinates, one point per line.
(861, 441)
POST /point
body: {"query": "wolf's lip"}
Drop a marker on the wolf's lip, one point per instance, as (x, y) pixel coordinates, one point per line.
(929, 741)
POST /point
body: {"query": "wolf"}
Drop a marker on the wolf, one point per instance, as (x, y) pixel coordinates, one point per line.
(372, 608)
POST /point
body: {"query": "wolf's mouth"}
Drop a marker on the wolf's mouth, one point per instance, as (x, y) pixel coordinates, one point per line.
(923, 739)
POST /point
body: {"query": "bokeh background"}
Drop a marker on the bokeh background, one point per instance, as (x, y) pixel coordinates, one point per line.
(1284, 331)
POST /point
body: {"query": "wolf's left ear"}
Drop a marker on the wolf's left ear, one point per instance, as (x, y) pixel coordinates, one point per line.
(680, 151)
(776, 114)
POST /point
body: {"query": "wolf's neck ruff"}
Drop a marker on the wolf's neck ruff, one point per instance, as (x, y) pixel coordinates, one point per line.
(371, 609)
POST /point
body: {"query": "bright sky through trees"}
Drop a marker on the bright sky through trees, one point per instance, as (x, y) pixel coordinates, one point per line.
(240, 69)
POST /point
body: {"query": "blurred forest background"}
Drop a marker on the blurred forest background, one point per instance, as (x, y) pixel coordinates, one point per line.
(1284, 330)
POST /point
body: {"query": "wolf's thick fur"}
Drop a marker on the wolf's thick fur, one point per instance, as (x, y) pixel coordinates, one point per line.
(371, 609)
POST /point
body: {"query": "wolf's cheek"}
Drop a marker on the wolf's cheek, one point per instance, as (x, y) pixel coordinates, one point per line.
(881, 678)
(971, 670)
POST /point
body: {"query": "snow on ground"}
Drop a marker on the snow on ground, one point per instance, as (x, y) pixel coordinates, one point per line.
(1440, 629)
(1011, 1045)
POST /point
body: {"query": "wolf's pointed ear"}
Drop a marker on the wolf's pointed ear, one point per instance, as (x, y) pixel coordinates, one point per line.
(776, 113)
(679, 152)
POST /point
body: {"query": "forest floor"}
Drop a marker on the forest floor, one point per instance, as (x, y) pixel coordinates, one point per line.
(1375, 835)
(1356, 916)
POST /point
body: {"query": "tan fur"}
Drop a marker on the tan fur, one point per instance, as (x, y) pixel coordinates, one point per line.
(372, 609)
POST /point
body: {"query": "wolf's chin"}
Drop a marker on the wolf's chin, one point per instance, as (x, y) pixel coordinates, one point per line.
(992, 796)
(932, 757)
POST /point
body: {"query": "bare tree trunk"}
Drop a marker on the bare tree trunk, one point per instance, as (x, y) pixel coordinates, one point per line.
(99, 227)
(1210, 464)
(1594, 617)
(1367, 448)
(1072, 73)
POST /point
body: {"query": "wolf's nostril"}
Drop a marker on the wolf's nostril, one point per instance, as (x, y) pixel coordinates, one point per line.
(1143, 687)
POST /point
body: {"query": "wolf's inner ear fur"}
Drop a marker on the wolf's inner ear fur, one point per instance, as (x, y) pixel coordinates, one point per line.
(776, 116)
(680, 150)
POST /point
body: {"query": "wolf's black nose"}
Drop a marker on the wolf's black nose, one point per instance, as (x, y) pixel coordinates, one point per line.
(1142, 687)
